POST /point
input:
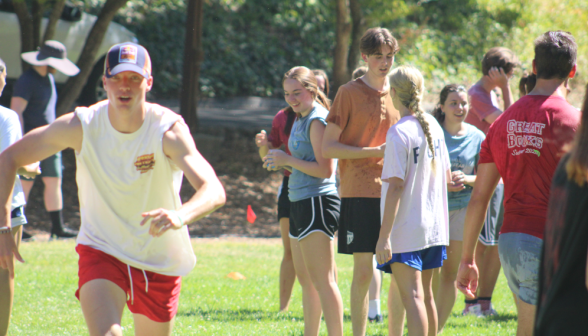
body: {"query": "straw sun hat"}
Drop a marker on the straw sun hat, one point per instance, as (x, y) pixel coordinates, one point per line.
(53, 54)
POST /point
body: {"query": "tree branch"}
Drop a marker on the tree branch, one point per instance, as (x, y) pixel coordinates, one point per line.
(341, 73)
(53, 19)
(359, 27)
(25, 22)
(74, 86)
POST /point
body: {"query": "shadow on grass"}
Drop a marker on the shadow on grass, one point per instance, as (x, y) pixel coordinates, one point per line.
(227, 315)
(503, 317)
(459, 321)
(244, 315)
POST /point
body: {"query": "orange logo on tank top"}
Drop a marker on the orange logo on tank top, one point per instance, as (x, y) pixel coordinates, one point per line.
(145, 163)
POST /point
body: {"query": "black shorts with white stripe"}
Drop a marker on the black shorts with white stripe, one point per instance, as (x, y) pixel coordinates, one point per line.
(315, 214)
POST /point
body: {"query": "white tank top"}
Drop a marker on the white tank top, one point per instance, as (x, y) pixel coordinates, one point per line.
(120, 176)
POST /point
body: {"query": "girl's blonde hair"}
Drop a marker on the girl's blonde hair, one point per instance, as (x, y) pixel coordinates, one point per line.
(409, 85)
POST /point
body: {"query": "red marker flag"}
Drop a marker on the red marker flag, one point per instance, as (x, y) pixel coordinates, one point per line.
(250, 215)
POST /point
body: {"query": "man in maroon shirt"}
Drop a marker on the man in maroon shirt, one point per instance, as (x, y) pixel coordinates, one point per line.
(524, 146)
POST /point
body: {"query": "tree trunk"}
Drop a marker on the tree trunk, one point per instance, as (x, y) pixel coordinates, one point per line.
(25, 22)
(343, 31)
(37, 15)
(53, 19)
(359, 27)
(73, 87)
(193, 57)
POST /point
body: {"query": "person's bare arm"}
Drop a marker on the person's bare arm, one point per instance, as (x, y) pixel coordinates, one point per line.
(493, 116)
(486, 181)
(333, 149)
(322, 167)
(383, 247)
(210, 195)
(18, 105)
(35, 146)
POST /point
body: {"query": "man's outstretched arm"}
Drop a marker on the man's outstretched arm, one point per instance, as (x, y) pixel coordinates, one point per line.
(486, 181)
(34, 146)
(179, 146)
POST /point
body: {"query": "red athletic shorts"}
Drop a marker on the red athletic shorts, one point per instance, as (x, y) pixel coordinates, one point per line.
(151, 294)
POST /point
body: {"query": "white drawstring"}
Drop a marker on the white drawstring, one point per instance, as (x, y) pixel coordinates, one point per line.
(131, 279)
(146, 282)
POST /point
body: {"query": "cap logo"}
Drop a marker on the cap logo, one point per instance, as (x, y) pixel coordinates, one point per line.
(128, 54)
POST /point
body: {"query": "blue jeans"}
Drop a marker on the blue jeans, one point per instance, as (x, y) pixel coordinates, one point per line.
(520, 255)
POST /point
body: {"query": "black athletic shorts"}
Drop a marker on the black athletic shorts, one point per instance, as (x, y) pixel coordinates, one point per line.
(359, 226)
(315, 214)
(283, 200)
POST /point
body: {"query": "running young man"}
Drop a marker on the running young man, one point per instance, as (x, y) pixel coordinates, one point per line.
(130, 155)
(524, 146)
(356, 130)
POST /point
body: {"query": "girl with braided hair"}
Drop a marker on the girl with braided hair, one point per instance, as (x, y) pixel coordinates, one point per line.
(415, 225)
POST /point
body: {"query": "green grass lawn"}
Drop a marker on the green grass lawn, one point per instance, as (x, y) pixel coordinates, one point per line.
(211, 303)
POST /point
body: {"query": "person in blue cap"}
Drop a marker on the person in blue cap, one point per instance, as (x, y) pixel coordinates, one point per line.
(131, 156)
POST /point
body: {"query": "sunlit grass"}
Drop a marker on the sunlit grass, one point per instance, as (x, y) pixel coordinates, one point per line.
(211, 303)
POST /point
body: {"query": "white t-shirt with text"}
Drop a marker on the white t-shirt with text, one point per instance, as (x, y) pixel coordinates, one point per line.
(422, 220)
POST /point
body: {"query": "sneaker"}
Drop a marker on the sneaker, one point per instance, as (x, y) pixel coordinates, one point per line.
(490, 312)
(376, 319)
(474, 310)
(64, 233)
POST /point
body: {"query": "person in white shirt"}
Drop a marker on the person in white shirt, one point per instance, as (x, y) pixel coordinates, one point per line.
(10, 132)
(131, 155)
(415, 224)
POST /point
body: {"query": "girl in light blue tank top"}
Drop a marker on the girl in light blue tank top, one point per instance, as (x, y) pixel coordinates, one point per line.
(314, 207)
(463, 144)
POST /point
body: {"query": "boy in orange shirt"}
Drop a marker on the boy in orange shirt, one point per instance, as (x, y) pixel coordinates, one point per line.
(356, 130)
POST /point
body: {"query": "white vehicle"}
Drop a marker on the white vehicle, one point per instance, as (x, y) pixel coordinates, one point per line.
(72, 29)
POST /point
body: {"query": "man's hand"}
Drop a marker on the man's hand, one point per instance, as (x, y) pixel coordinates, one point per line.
(161, 221)
(261, 139)
(467, 279)
(498, 77)
(8, 252)
(383, 250)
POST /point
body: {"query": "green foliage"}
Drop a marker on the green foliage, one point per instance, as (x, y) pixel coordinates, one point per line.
(211, 303)
(250, 44)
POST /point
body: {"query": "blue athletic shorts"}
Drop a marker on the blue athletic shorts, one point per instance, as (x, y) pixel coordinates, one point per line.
(422, 260)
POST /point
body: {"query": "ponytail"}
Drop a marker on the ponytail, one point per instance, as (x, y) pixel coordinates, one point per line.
(410, 85)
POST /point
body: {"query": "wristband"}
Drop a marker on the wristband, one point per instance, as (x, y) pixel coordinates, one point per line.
(178, 215)
(5, 229)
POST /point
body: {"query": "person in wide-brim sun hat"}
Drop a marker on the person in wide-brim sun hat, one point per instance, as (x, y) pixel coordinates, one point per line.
(53, 54)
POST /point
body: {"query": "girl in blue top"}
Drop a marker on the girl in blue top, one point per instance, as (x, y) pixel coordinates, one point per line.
(463, 144)
(314, 207)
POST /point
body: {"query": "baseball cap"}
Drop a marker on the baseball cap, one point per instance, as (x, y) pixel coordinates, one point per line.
(127, 57)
